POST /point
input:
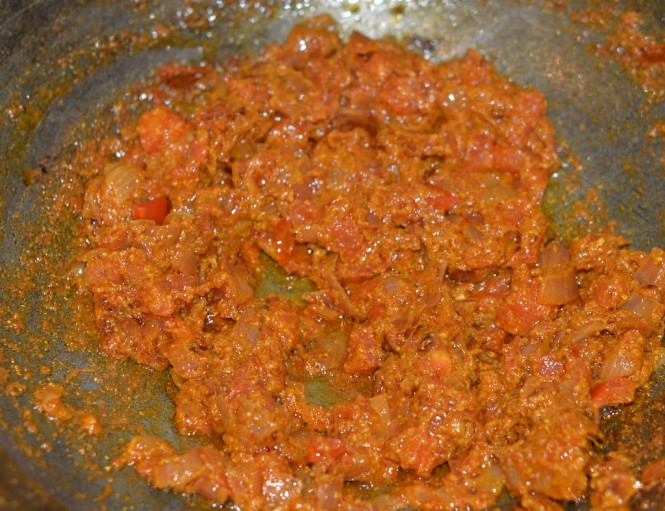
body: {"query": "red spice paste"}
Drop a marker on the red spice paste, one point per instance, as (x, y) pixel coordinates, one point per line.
(447, 348)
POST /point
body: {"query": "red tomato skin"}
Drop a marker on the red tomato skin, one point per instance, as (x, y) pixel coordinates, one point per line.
(154, 209)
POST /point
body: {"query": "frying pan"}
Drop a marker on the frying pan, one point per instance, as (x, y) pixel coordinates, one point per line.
(62, 66)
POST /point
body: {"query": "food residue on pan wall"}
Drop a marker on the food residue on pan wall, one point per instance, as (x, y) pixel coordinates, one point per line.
(642, 55)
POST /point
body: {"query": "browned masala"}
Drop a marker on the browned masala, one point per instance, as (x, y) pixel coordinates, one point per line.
(443, 350)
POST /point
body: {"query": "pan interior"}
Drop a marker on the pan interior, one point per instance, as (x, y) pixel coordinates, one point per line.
(62, 79)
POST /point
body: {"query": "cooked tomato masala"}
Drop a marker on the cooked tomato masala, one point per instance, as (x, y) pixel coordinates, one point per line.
(430, 345)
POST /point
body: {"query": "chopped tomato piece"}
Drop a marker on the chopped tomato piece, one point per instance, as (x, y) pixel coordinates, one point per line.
(284, 240)
(520, 311)
(160, 128)
(442, 200)
(652, 53)
(364, 351)
(436, 362)
(613, 391)
(154, 209)
(320, 449)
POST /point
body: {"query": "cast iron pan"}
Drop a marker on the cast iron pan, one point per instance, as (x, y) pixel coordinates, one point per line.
(64, 63)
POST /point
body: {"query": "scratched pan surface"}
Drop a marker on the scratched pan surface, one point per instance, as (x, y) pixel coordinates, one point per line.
(64, 63)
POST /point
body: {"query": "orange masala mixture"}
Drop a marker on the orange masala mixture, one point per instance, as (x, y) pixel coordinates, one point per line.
(444, 348)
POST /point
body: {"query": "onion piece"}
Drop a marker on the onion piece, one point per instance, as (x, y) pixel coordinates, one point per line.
(495, 193)
(648, 272)
(140, 448)
(473, 234)
(186, 363)
(178, 471)
(491, 478)
(381, 406)
(245, 331)
(328, 494)
(644, 306)
(558, 288)
(617, 365)
(554, 255)
(586, 330)
(241, 289)
(392, 285)
(185, 260)
(122, 180)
